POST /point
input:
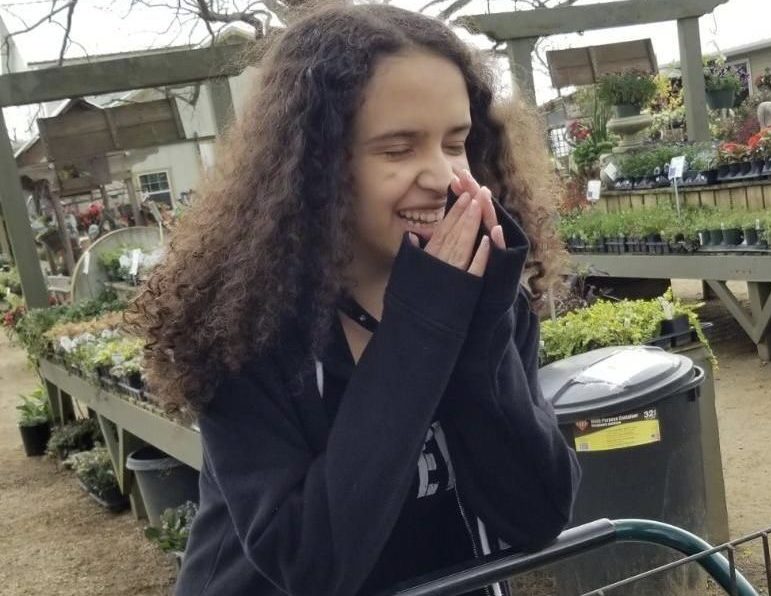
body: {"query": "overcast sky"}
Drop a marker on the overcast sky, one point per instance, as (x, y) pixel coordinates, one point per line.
(105, 26)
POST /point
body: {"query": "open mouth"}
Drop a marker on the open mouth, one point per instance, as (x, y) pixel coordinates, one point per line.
(421, 217)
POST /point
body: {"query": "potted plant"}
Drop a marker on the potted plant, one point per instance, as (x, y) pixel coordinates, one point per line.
(763, 81)
(626, 92)
(174, 529)
(721, 82)
(730, 158)
(72, 437)
(34, 422)
(97, 477)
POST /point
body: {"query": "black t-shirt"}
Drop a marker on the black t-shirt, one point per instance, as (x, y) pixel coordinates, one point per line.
(430, 534)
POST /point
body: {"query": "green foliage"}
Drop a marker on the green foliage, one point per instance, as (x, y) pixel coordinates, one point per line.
(34, 409)
(94, 469)
(642, 163)
(175, 528)
(719, 76)
(593, 224)
(632, 87)
(10, 281)
(30, 330)
(587, 151)
(607, 323)
(72, 437)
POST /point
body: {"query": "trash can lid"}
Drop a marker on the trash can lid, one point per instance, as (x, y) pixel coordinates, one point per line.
(609, 381)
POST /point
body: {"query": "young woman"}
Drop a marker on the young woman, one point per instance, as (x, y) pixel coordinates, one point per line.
(364, 375)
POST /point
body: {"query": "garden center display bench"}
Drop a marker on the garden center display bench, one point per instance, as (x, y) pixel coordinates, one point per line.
(126, 423)
(715, 270)
(755, 194)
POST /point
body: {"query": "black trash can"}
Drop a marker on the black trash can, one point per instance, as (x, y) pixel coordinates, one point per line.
(632, 415)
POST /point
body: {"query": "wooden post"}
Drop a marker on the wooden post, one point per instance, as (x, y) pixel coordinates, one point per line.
(139, 220)
(692, 70)
(64, 233)
(222, 103)
(15, 213)
(521, 65)
(5, 245)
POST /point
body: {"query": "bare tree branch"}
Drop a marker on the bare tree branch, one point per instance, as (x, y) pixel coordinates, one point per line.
(68, 28)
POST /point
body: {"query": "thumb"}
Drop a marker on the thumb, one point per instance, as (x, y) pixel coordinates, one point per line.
(414, 239)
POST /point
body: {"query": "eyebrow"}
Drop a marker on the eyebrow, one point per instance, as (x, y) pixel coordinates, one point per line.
(410, 134)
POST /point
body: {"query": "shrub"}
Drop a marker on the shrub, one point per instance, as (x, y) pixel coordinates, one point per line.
(34, 409)
(175, 528)
(632, 87)
(94, 469)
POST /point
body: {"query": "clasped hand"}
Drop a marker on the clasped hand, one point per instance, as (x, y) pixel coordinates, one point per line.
(455, 236)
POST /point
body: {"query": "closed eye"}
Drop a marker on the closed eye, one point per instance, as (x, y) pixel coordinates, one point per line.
(397, 153)
(456, 149)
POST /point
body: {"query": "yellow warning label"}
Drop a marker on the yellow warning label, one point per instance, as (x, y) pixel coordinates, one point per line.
(620, 432)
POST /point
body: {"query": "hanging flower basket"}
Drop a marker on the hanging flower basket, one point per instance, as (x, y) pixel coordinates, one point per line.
(723, 98)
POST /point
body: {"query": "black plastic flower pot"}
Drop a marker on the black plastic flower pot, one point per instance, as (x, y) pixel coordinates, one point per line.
(732, 236)
(751, 236)
(111, 499)
(715, 237)
(767, 168)
(35, 438)
(679, 328)
(733, 170)
(757, 168)
(710, 175)
(722, 172)
(134, 380)
(745, 169)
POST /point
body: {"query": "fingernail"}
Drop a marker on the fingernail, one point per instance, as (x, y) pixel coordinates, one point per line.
(414, 239)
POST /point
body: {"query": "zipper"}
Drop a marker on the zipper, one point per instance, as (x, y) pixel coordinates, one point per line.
(486, 589)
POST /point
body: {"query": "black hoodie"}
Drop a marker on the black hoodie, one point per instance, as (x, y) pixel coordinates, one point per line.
(295, 503)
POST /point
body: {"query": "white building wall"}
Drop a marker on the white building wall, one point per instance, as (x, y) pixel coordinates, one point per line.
(181, 162)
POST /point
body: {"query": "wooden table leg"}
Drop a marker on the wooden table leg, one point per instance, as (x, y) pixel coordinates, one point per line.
(760, 304)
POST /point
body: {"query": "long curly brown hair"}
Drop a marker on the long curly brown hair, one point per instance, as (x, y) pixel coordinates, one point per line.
(266, 245)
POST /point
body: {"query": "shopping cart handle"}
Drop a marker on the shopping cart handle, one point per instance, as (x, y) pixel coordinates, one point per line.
(499, 566)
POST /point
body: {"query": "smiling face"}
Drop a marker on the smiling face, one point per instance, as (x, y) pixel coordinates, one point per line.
(409, 136)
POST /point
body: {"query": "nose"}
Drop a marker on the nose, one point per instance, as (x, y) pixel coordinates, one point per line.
(436, 172)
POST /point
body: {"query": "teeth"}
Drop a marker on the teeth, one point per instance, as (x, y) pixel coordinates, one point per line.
(426, 217)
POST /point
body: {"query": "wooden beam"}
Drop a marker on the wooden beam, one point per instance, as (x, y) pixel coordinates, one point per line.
(569, 19)
(14, 207)
(521, 65)
(692, 71)
(121, 74)
(222, 103)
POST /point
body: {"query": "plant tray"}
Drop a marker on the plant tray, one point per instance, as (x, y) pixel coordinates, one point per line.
(113, 501)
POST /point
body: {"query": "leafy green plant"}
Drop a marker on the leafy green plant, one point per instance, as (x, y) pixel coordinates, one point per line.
(72, 437)
(631, 87)
(34, 409)
(94, 469)
(175, 528)
(719, 76)
(611, 323)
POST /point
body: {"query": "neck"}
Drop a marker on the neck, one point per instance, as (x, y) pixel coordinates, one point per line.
(368, 289)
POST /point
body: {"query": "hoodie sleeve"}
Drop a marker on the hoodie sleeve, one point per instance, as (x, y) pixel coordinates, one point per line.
(513, 466)
(316, 523)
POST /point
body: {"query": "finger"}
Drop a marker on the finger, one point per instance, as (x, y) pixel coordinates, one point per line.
(446, 225)
(489, 218)
(498, 238)
(460, 245)
(469, 183)
(414, 239)
(456, 185)
(479, 264)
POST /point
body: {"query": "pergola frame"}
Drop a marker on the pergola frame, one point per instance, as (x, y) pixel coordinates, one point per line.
(521, 29)
(214, 64)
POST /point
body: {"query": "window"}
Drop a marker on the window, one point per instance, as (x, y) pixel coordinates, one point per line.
(558, 143)
(742, 68)
(156, 187)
